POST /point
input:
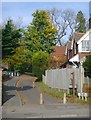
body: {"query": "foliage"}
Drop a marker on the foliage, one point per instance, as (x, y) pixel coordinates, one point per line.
(40, 33)
(51, 91)
(87, 65)
(10, 39)
(60, 94)
(40, 62)
(81, 22)
(21, 60)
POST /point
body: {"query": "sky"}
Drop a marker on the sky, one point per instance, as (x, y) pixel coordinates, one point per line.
(24, 10)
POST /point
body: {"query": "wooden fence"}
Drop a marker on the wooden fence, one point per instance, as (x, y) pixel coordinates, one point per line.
(62, 78)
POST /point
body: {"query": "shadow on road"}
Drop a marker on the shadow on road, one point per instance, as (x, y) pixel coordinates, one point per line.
(24, 88)
(7, 91)
(5, 95)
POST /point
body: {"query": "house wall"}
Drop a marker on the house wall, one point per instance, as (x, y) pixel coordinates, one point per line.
(80, 44)
(75, 58)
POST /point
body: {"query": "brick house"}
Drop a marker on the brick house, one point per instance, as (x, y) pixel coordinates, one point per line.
(77, 49)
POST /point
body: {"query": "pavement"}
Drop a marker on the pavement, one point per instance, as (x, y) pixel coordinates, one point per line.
(21, 100)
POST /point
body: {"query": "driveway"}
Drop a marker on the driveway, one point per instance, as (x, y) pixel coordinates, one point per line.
(21, 100)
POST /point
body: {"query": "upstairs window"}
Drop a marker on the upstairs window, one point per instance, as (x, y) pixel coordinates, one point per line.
(85, 45)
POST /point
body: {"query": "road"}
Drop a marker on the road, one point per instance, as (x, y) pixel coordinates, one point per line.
(21, 100)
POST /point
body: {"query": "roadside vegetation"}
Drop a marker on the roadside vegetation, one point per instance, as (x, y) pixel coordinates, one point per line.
(20, 46)
(59, 94)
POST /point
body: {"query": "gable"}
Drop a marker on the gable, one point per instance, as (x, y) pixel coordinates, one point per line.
(85, 36)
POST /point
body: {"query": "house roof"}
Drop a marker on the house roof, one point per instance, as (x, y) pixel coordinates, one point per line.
(59, 50)
(77, 36)
(87, 34)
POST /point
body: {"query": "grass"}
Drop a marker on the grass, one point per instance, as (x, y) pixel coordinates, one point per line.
(59, 94)
(51, 91)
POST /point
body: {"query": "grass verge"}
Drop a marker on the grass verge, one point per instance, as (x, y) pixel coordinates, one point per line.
(59, 94)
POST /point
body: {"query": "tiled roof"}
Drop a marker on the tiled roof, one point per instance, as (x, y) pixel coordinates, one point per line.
(59, 50)
(77, 36)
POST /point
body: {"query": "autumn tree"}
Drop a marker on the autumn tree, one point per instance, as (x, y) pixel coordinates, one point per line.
(62, 19)
(81, 22)
(40, 34)
(21, 61)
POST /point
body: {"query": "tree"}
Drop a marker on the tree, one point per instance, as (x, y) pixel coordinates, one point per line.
(81, 22)
(10, 39)
(87, 65)
(40, 62)
(21, 61)
(62, 19)
(40, 33)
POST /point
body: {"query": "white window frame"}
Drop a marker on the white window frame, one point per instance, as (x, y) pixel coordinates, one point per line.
(85, 45)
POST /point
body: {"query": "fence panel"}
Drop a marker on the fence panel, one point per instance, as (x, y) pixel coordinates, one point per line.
(62, 78)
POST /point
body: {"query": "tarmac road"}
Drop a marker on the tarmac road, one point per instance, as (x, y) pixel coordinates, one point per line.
(21, 100)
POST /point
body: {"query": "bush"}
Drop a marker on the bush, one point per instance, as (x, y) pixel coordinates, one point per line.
(87, 65)
(40, 62)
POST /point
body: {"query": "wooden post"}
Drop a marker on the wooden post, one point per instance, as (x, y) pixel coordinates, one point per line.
(73, 84)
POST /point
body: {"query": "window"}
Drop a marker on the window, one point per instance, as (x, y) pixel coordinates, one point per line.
(85, 45)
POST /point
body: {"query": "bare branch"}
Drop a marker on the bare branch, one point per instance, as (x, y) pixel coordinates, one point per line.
(62, 19)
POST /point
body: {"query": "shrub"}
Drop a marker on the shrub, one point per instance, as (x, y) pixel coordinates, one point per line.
(40, 62)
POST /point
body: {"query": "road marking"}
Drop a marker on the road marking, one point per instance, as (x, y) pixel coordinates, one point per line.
(20, 97)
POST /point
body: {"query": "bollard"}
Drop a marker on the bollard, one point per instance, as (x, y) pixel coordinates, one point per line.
(85, 95)
(64, 99)
(41, 98)
(82, 96)
(17, 74)
(12, 74)
(33, 85)
(79, 95)
(9, 73)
